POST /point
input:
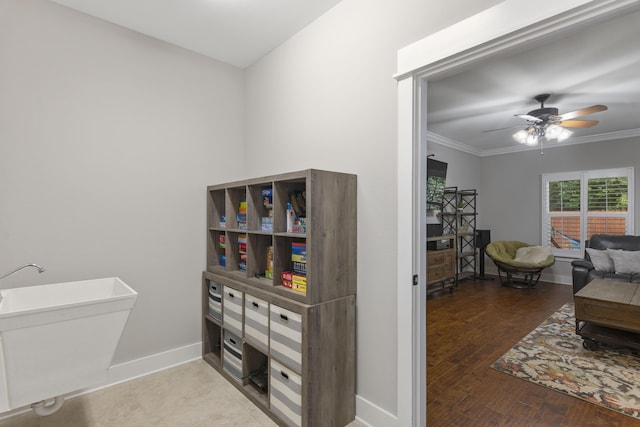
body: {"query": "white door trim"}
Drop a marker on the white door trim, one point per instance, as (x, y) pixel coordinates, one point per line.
(495, 30)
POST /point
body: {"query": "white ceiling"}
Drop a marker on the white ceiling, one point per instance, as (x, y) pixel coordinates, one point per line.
(237, 32)
(597, 65)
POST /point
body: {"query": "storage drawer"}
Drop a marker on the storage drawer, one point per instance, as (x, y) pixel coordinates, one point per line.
(436, 258)
(232, 310)
(285, 342)
(285, 389)
(232, 356)
(215, 300)
(256, 322)
(437, 273)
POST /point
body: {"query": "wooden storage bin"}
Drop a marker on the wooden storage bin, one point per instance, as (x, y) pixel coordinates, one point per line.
(285, 394)
(232, 310)
(285, 332)
(232, 356)
(256, 322)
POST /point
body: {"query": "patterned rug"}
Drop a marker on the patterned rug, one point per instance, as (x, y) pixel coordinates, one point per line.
(552, 355)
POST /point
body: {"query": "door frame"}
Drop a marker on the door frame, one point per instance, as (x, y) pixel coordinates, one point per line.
(494, 31)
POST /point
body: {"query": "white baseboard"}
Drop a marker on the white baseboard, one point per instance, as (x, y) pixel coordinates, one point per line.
(153, 363)
(371, 415)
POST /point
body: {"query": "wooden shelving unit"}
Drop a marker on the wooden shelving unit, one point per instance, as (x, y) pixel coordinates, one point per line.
(280, 345)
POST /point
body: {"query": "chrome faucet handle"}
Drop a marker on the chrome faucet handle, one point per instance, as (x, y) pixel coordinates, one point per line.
(36, 266)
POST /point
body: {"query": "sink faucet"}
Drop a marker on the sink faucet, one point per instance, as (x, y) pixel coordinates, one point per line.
(36, 266)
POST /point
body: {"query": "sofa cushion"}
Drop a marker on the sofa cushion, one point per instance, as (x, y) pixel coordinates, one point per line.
(601, 260)
(625, 262)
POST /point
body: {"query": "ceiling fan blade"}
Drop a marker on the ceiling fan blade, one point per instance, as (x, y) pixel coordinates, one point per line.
(582, 112)
(528, 117)
(508, 127)
(578, 123)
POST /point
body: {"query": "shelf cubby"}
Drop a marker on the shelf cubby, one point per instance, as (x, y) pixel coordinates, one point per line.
(282, 192)
(256, 208)
(211, 331)
(258, 246)
(254, 360)
(235, 195)
(216, 251)
(216, 208)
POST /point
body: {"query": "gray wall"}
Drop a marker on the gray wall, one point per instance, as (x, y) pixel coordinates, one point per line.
(327, 99)
(463, 169)
(510, 202)
(107, 141)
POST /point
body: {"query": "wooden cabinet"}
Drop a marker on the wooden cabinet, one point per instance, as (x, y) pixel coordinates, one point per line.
(441, 263)
(296, 359)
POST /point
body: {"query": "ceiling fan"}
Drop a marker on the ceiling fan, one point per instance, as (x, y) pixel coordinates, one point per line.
(546, 122)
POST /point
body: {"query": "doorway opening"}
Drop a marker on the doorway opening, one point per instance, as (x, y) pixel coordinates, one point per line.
(493, 32)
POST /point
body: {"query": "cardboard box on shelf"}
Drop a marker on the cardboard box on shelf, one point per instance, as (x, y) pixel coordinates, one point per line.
(267, 197)
(286, 279)
(299, 252)
(269, 270)
(267, 224)
(299, 283)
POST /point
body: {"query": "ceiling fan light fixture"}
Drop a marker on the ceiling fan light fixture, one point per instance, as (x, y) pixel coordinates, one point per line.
(521, 136)
(564, 134)
(553, 131)
(546, 123)
(532, 139)
(528, 136)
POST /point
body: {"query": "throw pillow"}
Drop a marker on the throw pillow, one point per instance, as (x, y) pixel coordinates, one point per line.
(601, 260)
(625, 262)
(532, 254)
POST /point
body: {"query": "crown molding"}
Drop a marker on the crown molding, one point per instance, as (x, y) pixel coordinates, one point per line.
(450, 143)
(459, 146)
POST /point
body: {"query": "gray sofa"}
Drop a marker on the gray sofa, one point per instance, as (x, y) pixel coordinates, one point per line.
(623, 264)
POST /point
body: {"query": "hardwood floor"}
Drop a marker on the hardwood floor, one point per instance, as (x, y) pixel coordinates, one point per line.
(467, 331)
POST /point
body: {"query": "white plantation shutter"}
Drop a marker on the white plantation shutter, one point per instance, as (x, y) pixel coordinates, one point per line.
(608, 210)
(561, 222)
(576, 205)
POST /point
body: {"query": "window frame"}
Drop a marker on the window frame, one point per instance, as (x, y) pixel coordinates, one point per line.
(583, 213)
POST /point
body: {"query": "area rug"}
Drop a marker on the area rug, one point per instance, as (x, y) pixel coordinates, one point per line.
(552, 355)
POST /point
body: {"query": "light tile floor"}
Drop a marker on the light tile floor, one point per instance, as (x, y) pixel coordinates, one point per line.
(189, 395)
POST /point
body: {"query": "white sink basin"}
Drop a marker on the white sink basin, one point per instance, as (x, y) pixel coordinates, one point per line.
(59, 338)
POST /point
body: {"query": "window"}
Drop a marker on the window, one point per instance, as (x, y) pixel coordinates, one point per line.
(577, 205)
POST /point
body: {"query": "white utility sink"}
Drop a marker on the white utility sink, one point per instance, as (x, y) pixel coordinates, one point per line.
(59, 338)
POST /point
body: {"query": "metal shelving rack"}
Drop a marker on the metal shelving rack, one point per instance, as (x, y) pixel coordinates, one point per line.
(459, 214)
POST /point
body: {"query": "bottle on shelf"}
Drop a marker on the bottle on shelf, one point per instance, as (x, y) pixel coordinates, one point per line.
(291, 218)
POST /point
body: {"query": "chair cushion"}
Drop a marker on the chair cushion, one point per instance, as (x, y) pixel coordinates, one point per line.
(505, 251)
(532, 254)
